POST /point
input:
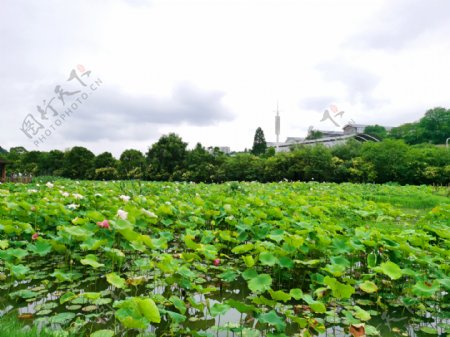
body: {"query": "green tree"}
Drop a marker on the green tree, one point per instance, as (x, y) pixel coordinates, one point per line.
(200, 165)
(167, 157)
(388, 158)
(376, 131)
(259, 143)
(106, 173)
(242, 167)
(411, 133)
(104, 160)
(311, 163)
(54, 163)
(33, 162)
(132, 164)
(350, 149)
(15, 159)
(314, 134)
(78, 163)
(436, 125)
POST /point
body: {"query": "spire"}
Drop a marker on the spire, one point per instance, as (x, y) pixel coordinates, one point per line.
(277, 124)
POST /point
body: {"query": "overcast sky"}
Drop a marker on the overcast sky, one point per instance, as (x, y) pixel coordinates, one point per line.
(213, 71)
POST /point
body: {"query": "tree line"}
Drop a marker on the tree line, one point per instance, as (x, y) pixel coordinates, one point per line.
(169, 160)
(397, 158)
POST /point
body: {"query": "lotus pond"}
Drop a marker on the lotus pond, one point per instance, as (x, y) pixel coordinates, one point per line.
(109, 259)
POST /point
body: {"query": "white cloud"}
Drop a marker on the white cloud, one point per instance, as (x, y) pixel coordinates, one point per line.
(212, 71)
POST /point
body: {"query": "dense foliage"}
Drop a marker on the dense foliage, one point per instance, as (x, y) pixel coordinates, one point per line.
(269, 259)
(168, 160)
(434, 127)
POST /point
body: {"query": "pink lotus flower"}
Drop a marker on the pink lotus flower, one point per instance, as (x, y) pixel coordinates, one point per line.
(103, 224)
(216, 262)
(35, 236)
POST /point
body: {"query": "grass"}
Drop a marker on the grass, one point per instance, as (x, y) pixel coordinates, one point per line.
(410, 200)
(10, 326)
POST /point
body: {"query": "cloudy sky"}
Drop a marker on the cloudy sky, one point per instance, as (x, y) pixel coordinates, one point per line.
(213, 71)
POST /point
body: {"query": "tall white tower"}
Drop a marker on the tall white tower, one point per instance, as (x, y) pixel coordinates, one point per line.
(277, 125)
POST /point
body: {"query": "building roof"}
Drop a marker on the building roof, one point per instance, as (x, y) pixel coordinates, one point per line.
(293, 139)
(388, 128)
(355, 125)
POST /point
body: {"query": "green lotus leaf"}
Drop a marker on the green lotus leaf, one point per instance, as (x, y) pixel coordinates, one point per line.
(445, 283)
(4, 244)
(78, 232)
(335, 269)
(219, 309)
(69, 296)
(137, 312)
(390, 269)
(91, 260)
(280, 295)
(371, 260)
(90, 295)
(116, 280)
(229, 275)
(178, 303)
(41, 247)
(425, 288)
(17, 253)
(130, 317)
(92, 244)
(240, 306)
(176, 317)
(285, 262)
(19, 271)
(368, 287)
(338, 289)
(25, 293)
(249, 274)
(361, 313)
(267, 259)
(316, 306)
(429, 330)
(296, 293)
(63, 276)
(148, 309)
(102, 333)
(260, 283)
(273, 319)
(340, 260)
(62, 318)
(248, 260)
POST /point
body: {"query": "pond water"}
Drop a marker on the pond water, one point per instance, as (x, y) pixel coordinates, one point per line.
(99, 314)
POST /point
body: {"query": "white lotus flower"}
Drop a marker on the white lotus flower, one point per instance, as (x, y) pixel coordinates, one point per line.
(32, 191)
(122, 214)
(65, 194)
(73, 206)
(77, 196)
(49, 185)
(124, 197)
(149, 213)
